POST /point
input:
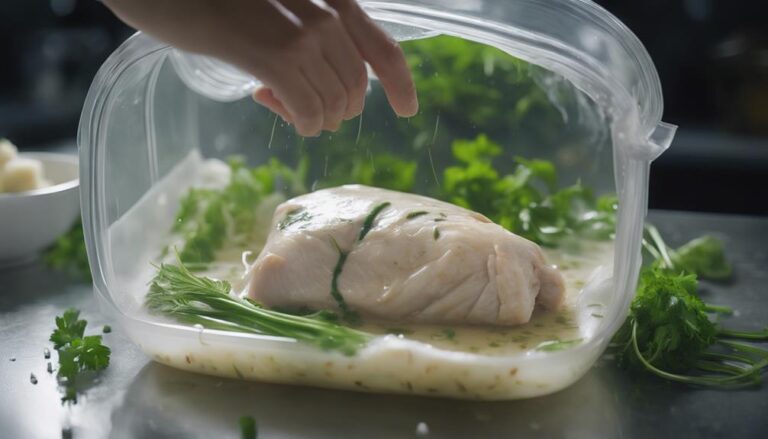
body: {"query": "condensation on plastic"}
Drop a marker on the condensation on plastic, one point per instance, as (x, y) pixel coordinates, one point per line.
(577, 40)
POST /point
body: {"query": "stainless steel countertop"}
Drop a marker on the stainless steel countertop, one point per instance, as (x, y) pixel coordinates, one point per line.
(136, 398)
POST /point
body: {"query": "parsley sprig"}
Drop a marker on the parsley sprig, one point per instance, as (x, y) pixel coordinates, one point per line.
(208, 217)
(669, 331)
(526, 201)
(78, 352)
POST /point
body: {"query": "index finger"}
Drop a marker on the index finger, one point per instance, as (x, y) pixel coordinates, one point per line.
(383, 54)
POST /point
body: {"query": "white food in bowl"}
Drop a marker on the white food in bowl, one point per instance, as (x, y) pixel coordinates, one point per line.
(8, 152)
(19, 174)
(31, 220)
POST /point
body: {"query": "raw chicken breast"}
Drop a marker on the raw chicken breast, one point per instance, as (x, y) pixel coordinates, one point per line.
(400, 257)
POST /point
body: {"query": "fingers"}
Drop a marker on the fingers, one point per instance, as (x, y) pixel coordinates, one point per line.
(346, 61)
(383, 54)
(265, 97)
(303, 105)
(331, 91)
(333, 66)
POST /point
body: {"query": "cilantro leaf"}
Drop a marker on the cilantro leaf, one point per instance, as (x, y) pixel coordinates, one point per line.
(68, 328)
(207, 217)
(77, 353)
(673, 328)
(704, 256)
(526, 201)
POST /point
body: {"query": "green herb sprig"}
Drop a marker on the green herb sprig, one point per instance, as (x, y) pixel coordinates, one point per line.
(77, 352)
(527, 201)
(177, 293)
(208, 217)
(68, 254)
(669, 331)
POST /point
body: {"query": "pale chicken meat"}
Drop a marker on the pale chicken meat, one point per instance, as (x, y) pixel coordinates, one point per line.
(400, 257)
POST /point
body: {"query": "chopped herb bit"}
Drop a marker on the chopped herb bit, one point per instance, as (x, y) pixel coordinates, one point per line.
(437, 220)
(598, 316)
(557, 345)
(368, 223)
(13, 359)
(49, 368)
(248, 427)
(106, 329)
(445, 334)
(398, 331)
(493, 344)
(413, 215)
(436, 233)
(296, 216)
(595, 305)
(197, 300)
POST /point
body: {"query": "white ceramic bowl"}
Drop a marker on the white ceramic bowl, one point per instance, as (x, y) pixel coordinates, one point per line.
(31, 221)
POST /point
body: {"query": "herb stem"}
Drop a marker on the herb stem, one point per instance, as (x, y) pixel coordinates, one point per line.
(725, 310)
(747, 335)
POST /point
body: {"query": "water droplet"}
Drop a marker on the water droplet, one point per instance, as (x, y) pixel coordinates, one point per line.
(32, 378)
(47, 353)
(422, 429)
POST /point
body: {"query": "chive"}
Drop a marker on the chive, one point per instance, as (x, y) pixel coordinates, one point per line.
(335, 293)
(436, 233)
(368, 223)
(191, 299)
(413, 215)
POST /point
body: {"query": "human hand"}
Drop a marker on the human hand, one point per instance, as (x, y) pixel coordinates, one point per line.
(309, 56)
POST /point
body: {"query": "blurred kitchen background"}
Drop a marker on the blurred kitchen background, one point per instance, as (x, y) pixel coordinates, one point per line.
(712, 57)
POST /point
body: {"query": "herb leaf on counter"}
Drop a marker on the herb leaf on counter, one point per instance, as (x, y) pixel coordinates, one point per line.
(77, 353)
(669, 331)
(703, 256)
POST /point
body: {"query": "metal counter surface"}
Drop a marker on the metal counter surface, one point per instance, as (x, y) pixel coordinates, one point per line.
(136, 398)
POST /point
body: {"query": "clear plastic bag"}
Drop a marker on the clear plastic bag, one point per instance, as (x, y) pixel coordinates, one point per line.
(554, 79)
